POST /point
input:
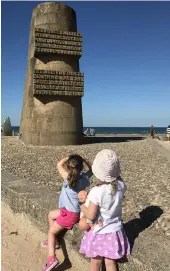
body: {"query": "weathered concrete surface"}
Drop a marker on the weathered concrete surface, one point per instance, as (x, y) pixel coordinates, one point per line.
(48, 118)
(150, 251)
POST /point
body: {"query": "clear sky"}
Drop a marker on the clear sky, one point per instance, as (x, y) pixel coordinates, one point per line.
(126, 61)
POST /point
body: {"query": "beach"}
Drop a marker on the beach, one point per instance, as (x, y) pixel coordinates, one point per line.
(21, 248)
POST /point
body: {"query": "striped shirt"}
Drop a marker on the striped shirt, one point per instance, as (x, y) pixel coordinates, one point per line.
(168, 130)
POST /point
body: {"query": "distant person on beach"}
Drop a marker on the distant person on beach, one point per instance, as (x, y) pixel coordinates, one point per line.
(20, 135)
(168, 133)
(108, 242)
(92, 132)
(152, 132)
(68, 214)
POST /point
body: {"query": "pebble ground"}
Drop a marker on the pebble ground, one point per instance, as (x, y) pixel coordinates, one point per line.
(145, 171)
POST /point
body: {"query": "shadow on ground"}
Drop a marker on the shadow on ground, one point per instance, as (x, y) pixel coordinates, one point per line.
(66, 264)
(135, 226)
(110, 139)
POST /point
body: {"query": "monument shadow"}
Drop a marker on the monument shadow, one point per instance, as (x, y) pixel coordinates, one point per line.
(135, 226)
(66, 264)
(110, 139)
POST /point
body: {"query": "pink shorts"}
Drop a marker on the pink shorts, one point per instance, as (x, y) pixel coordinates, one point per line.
(67, 219)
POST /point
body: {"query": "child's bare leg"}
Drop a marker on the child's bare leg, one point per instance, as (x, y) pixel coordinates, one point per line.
(111, 265)
(95, 264)
(52, 216)
(52, 220)
(54, 230)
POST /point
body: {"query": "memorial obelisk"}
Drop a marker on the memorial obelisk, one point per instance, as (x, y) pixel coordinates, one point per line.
(52, 106)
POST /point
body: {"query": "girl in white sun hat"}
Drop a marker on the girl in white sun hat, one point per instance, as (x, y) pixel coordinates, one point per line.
(109, 241)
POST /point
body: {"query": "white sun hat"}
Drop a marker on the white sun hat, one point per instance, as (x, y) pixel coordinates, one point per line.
(106, 166)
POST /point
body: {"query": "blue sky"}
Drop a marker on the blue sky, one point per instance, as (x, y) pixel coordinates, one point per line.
(126, 61)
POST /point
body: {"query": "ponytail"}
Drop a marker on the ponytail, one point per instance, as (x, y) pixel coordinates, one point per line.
(73, 176)
(113, 184)
(75, 166)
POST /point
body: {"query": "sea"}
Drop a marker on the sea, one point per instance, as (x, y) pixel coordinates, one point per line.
(116, 130)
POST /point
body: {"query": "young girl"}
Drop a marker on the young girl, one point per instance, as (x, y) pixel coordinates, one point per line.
(109, 241)
(67, 216)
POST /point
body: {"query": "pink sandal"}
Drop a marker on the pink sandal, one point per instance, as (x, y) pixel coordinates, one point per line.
(45, 244)
(50, 264)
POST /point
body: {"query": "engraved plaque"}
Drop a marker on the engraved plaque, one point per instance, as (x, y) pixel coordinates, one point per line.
(57, 42)
(49, 82)
(58, 93)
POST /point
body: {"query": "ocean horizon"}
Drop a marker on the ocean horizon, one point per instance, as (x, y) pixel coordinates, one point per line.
(115, 130)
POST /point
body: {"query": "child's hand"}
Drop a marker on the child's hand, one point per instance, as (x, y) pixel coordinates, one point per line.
(87, 163)
(83, 226)
(61, 169)
(62, 162)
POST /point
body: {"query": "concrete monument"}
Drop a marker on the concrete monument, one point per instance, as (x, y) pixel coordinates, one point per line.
(52, 107)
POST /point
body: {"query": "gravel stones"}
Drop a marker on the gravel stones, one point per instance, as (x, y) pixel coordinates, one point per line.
(145, 171)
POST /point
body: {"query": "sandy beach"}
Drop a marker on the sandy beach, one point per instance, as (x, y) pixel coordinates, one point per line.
(20, 243)
(21, 248)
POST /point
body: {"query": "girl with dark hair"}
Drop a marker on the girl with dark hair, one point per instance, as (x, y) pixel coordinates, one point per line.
(68, 214)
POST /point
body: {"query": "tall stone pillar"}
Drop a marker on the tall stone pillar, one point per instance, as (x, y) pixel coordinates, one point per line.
(52, 107)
